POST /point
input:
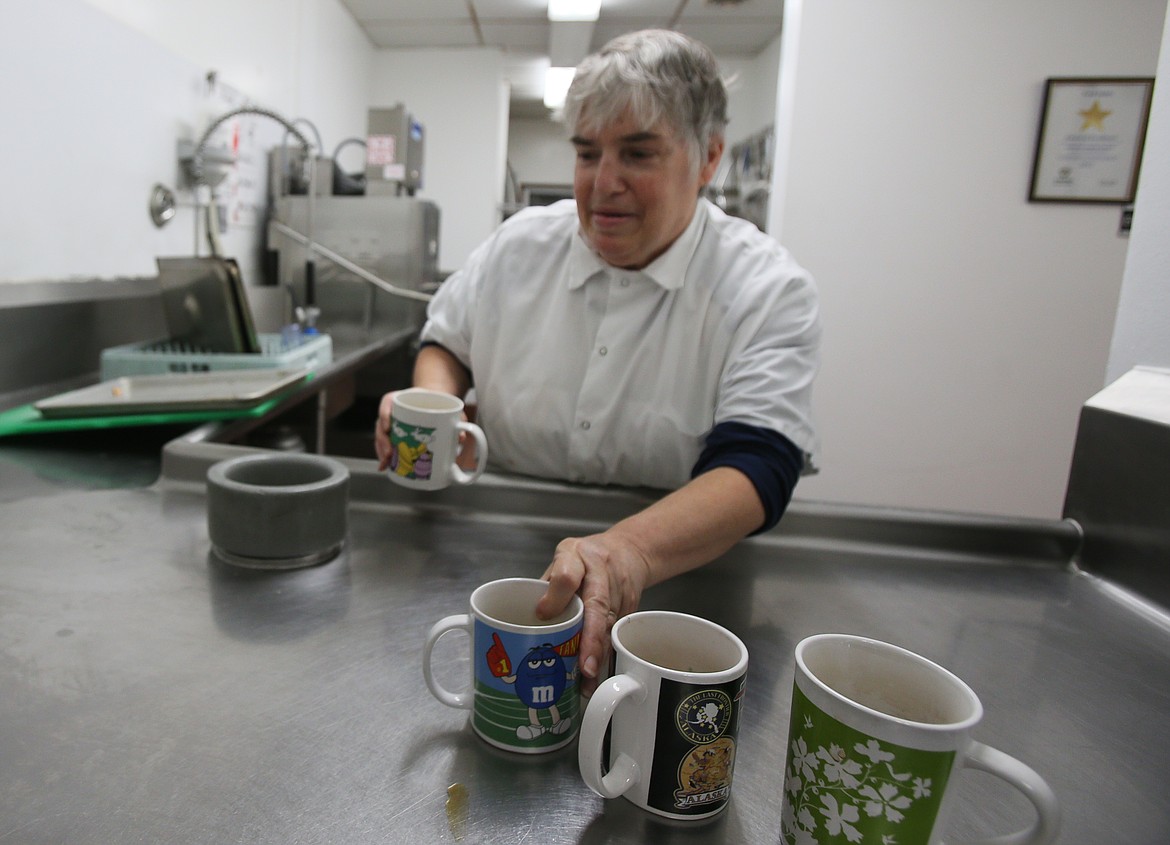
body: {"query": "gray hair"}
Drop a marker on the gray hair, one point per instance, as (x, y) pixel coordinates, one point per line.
(656, 74)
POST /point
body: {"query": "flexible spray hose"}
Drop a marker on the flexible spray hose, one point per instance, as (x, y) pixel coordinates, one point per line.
(198, 175)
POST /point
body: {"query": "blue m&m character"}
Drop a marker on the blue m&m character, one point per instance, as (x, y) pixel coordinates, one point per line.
(540, 677)
(539, 681)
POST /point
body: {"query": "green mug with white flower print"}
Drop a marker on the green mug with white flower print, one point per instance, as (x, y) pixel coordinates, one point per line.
(875, 736)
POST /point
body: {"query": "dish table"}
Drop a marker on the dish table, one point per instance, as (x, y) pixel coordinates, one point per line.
(153, 694)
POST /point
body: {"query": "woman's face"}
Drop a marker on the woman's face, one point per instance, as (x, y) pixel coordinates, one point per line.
(636, 188)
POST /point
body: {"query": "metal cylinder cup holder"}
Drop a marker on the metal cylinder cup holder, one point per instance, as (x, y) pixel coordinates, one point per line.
(277, 511)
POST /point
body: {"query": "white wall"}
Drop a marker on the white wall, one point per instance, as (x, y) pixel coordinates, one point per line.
(539, 151)
(107, 87)
(304, 58)
(751, 93)
(1142, 331)
(964, 326)
(98, 93)
(460, 97)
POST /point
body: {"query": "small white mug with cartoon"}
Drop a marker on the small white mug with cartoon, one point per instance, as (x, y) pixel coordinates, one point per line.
(424, 440)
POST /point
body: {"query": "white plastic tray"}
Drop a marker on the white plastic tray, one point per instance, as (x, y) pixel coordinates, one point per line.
(225, 390)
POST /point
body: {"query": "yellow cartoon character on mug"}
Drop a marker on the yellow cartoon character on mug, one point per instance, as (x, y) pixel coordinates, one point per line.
(410, 455)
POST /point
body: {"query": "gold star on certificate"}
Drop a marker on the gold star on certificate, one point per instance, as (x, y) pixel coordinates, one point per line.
(1094, 116)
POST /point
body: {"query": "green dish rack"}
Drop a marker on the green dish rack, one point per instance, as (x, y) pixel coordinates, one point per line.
(302, 352)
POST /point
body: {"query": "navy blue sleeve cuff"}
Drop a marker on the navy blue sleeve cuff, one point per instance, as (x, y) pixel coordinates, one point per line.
(770, 460)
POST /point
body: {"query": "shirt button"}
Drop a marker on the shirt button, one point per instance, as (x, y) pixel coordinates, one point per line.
(585, 425)
(625, 283)
(603, 351)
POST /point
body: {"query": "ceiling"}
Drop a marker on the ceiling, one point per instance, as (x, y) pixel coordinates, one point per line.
(520, 28)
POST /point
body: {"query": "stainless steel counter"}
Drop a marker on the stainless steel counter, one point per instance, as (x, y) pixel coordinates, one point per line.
(151, 694)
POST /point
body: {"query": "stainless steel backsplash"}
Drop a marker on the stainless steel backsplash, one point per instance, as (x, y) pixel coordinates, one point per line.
(52, 333)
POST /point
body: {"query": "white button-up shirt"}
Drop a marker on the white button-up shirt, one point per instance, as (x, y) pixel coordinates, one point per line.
(587, 372)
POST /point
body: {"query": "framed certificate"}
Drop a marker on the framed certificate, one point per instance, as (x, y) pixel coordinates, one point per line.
(1089, 147)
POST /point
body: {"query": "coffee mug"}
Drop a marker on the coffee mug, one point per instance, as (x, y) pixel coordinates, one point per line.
(673, 710)
(875, 736)
(424, 440)
(524, 691)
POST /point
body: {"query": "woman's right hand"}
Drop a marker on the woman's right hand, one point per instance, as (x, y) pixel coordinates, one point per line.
(382, 431)
(434, 368)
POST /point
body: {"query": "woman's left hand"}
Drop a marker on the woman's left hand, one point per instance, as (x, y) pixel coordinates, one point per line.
(609, 573)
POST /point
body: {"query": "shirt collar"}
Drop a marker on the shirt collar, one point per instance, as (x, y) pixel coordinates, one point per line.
(667, 270)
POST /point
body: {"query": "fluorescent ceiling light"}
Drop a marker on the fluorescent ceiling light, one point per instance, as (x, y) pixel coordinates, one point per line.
(574, 10)
(556, 85)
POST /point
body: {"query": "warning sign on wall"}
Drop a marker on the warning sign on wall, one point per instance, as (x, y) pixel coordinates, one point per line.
(380, 150)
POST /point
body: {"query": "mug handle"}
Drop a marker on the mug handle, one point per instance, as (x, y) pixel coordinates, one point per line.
(461, 700)
(995, 762)
(624, 772)
(458, 475)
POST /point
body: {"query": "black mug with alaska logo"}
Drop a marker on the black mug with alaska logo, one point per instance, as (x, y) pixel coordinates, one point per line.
(672, 711)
